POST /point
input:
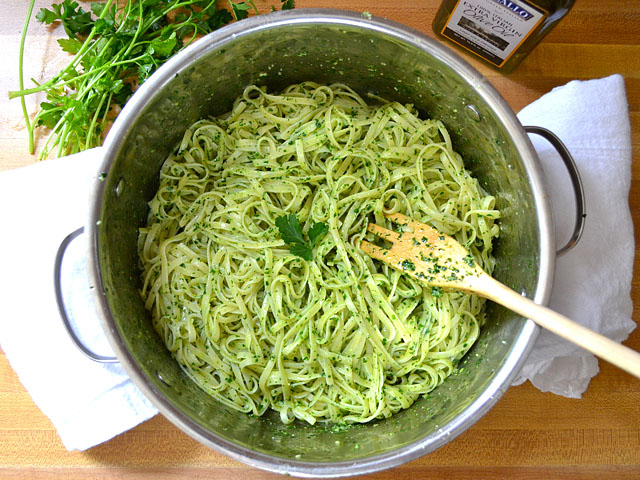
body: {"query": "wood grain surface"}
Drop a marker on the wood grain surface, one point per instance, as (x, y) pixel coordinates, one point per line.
(527, 435)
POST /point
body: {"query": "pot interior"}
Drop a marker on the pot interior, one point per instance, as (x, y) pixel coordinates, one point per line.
(371, 56)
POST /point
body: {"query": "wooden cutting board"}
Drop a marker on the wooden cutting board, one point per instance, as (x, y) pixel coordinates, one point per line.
(527, 435)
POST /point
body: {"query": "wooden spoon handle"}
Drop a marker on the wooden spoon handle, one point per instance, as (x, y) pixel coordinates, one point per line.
(605, 348)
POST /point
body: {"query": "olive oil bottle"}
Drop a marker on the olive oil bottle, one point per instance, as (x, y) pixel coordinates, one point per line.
(501, 32)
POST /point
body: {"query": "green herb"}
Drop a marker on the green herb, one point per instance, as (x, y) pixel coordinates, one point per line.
(74, 19)
(116, 47)
(241, 9)
(291, 233)
(408, 265)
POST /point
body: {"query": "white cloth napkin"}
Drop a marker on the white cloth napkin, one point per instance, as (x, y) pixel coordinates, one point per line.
(593, 281)
(89, 403)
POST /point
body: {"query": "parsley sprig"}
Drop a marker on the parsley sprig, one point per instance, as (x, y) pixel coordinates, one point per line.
(116, 46)
(241, 9)
(291, 233)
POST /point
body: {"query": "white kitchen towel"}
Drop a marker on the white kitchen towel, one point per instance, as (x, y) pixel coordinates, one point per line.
(89, 403)
(593, 280)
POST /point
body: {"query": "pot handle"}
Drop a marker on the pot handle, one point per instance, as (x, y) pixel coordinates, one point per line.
(57, 283)
(576, 181)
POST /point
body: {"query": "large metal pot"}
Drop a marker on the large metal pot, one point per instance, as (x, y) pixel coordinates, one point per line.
(370, 55)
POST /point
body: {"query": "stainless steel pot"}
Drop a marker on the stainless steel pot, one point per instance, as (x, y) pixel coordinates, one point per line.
(370, 55)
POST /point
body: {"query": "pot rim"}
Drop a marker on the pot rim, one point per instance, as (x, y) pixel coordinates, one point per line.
(521, 347)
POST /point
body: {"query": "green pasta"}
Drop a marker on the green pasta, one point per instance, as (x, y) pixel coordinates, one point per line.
(341, 337)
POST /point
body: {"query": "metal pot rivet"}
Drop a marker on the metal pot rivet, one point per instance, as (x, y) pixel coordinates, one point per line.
(472, 111)
(119, 187)
(162, 379)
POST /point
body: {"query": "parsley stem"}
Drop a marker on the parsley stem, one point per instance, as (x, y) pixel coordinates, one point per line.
(92, 127)
(21, 77)
(59, 141)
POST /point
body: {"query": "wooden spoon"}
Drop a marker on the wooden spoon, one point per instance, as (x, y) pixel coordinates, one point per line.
(439, 260)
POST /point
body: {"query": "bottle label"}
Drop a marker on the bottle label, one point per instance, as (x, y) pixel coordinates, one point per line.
(493, 29)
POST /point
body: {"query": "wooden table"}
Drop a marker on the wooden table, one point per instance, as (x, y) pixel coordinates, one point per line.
(527, 435)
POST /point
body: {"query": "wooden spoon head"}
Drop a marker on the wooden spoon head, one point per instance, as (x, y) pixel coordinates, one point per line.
(426, 254)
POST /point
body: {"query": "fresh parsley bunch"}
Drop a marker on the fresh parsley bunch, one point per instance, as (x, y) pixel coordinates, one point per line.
(116, 46)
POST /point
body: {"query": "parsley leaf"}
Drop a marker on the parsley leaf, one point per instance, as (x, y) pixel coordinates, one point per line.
(50, 115)
(46, 16)
(241, 9)
(290, 229)
(316, 232)
(302, 250)
(70, 45)
(162, 46)
(291, 233)
(74, 19)
(288, 4)
(218, 19)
